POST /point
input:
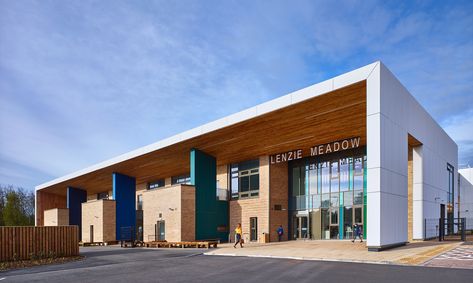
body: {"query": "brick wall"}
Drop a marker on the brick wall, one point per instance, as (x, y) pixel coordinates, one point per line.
(176, 204)
(279, 196)
(56, 217)
(242, 210)
(102, 215)
(188, 213)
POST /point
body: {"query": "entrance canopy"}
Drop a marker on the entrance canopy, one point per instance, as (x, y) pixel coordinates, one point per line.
(313, 116)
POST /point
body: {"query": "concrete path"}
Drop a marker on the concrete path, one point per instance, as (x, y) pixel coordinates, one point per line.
(326, 250)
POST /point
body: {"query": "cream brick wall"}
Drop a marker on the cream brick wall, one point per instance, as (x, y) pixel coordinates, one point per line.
(242, 210)
(56, 217)
(102, 215)
(177, 207)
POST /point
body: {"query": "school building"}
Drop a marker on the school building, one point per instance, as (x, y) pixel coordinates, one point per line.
(354, 149)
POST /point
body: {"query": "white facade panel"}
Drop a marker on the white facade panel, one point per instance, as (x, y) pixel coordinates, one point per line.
(387, 148)
(466, 196)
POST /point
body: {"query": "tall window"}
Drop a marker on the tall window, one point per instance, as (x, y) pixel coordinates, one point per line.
(182, 179)
(325, 176)
(344, 174)
(334, 177)
(451, 197)
(358, 173)
(245, 179)
(139, 202)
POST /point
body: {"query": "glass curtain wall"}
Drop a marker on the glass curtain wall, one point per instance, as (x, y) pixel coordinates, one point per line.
(332, 190)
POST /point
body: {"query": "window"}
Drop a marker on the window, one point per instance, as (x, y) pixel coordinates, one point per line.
(358, 173)
(183, 179)
(102, 195)
(451, 197)
(244, 179)
(139, 202)
(313, 179)
(156, 184)
(325, 176)
(334, 177)
(345, 174)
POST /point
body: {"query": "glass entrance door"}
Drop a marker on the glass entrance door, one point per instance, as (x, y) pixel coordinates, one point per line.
(253, 229)
(160, 230)
(300, 227)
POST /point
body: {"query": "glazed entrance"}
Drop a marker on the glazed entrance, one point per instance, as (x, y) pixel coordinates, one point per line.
(327, 196)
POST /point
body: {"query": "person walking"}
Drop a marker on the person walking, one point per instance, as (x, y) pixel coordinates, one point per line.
(238, 236)
(280, 232)
(357, 233)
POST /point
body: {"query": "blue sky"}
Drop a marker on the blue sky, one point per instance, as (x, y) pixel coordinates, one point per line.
(83, 81)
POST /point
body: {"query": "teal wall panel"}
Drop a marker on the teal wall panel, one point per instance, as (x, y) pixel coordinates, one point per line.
(210, 213)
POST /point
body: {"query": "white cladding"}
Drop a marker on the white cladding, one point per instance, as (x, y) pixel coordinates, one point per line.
(466, 195)
(392, 114)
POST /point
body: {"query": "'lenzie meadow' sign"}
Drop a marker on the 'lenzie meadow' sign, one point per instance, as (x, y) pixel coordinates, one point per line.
(317, 150)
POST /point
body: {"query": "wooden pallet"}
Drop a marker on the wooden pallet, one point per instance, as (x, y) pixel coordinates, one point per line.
(97, 244)
(199, 244)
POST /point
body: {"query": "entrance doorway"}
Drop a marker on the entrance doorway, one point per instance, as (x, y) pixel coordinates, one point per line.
(300, 227)
(91, 233)
(160, 230)
(253, 228)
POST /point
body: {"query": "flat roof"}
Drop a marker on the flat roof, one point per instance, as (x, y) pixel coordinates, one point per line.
(312, 91)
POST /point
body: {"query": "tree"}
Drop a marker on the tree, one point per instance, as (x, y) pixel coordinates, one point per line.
(16, 206)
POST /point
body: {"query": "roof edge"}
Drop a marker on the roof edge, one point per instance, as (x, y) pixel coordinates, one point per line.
(306, 93)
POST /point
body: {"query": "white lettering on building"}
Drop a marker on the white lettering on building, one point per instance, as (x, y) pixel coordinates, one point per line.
(317, 150)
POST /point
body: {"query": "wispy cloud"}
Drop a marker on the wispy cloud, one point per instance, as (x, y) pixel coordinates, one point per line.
(84, 81)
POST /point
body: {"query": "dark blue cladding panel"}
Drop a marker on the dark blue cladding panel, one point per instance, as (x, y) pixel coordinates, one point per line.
(124, 190)
(75, 198)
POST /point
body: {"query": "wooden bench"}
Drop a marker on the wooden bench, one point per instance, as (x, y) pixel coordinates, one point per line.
(184, 244)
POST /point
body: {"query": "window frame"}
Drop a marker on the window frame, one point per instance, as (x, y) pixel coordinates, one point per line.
(160, 183)
(184, 179)
(236, 174)
(103, 195)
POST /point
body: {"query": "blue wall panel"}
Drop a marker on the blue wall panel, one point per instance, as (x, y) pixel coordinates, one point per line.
(75, 198)
(210, 213)
(124, 192)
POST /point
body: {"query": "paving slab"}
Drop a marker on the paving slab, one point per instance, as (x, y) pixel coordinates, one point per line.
(459, 257)
(415, 253)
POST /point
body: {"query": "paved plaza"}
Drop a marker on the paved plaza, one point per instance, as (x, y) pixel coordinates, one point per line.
(326, 250)
(460, 257)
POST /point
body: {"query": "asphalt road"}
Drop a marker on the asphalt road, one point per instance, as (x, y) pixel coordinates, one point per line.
(112, 264)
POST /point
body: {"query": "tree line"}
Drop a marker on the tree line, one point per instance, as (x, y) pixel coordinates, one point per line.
(17, 206)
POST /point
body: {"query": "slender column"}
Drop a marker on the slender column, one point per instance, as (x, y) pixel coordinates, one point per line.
(75, 198)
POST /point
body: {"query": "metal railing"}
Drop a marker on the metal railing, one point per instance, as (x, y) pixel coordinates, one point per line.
(444, 228)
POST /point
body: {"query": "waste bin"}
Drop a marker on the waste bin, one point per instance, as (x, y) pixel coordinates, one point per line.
(265, 238)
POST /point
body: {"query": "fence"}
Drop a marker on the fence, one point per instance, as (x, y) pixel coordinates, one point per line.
(17, 243)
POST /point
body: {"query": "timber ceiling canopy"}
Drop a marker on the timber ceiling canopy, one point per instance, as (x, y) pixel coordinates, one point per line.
(323, 119)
